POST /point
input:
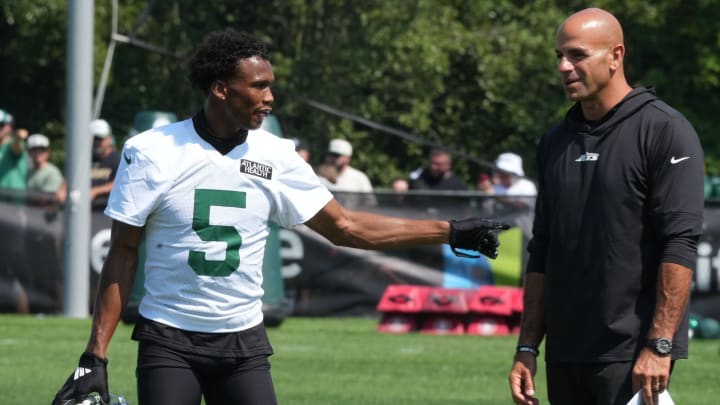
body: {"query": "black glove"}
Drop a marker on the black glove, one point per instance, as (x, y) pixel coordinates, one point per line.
(475, 234)
(90, 376)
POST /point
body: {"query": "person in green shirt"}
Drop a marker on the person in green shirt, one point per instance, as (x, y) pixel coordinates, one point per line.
(43, 176)
(13, 158)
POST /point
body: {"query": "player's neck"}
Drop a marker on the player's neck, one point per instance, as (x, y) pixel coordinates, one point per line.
(219, 124)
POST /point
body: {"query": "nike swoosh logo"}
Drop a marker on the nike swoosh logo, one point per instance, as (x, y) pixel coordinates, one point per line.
(674, 161)
(127, 158)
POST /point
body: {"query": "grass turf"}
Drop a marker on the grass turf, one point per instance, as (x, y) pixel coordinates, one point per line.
(322, 361)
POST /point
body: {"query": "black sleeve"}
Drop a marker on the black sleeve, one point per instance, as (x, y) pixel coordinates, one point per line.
(676, 170)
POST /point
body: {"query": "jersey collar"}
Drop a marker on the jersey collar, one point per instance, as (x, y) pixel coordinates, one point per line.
(222, 145)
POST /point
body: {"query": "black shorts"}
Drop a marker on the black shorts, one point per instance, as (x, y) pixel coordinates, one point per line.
(179, 367)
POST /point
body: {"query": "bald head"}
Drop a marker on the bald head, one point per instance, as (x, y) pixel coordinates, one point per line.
(596, 23)
(590, 51)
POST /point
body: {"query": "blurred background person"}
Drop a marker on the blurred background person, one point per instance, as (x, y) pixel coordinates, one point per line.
(105, 159)
(339, 154)
(519, 194)
(438, 175)
(400, 185)
(349, 179)
(43, 175)
(490, 183)
(485, 184)
(511, 176)
(497, 183)
(105, 162)
(486, 187)
(13, 158)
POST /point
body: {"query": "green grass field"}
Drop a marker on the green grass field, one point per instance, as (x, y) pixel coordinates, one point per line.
(322, 361)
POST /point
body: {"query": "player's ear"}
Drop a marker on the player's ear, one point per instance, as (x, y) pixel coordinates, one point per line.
(219, 89)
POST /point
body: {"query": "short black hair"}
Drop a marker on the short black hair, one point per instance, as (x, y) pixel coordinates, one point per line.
(217, 56)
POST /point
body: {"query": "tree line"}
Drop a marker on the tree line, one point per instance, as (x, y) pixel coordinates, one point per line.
(476, 76)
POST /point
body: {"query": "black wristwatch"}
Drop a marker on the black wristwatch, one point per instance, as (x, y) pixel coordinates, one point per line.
(661, 346)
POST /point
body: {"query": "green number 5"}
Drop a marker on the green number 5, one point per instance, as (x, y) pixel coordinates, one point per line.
(204, 199)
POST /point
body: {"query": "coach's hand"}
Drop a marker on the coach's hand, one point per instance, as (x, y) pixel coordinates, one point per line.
(475, 234)
(522, 385)
(89, 376)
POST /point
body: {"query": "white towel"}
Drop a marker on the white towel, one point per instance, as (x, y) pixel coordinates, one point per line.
(663, 399)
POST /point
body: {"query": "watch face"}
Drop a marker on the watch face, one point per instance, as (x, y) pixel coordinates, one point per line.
(663, 346)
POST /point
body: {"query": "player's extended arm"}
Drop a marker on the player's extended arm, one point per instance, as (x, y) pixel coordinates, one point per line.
(366, 230)
(377, 232)
(652, 371)
(116, 281)
(532, 331)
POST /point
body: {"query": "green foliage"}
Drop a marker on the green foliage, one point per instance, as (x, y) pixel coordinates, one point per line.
(33, 68)
(478, 76)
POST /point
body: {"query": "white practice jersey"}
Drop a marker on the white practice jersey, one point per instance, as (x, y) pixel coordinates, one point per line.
(206, 220)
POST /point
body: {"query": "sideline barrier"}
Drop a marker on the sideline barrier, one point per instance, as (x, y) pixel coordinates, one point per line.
(496, 311)
(446, 310)
(400, 306)
(488, 310)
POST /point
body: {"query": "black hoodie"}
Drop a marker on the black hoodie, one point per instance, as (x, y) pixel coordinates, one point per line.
(615, 200)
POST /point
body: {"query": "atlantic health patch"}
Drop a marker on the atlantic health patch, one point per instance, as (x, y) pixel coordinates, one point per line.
(256, 169)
